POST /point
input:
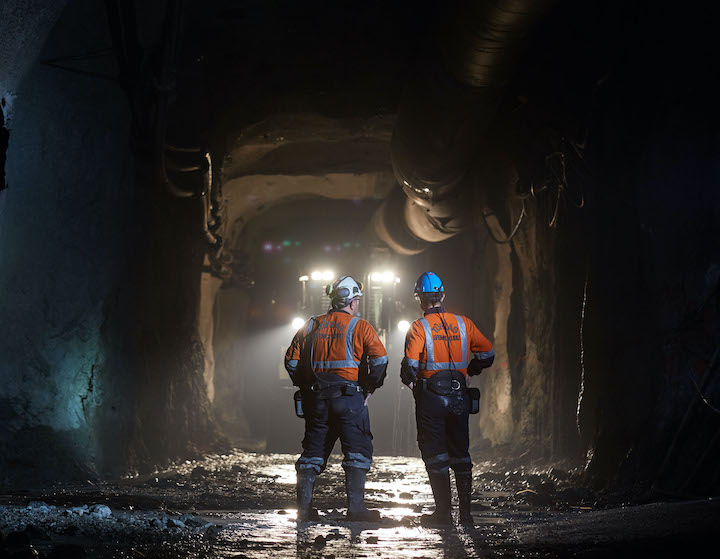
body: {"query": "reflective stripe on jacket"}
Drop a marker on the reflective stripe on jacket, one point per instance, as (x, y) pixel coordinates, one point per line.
(443, 341)
(339, 342)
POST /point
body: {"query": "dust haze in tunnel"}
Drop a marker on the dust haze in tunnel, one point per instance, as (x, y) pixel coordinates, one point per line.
(252, 326)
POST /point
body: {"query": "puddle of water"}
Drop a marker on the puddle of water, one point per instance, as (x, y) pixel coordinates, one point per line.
(261, 534)
(281, 473)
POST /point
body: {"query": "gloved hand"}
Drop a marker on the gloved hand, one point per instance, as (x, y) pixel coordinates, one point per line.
(474, 367)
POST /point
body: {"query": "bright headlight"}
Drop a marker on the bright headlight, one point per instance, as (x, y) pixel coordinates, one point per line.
(326, 275)
(403, 326)
(383, 277)
(297, 323)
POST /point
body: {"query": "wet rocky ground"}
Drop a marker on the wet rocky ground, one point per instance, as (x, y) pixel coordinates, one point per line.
(242, 505)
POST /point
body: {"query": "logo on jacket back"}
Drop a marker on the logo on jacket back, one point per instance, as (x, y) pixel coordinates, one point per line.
(438, 328)
(331, 330)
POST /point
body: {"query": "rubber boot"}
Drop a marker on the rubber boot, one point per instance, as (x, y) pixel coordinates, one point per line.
(440, 484)
(355, 488)
(463, 480)
(305, 483)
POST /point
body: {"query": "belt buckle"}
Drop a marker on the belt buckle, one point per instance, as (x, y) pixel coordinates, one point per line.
(454, 382)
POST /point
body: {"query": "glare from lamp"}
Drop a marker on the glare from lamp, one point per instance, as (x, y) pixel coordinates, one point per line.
(316, 275)
(297, 323)
(403, 326)
(382, 277)
(303, 278)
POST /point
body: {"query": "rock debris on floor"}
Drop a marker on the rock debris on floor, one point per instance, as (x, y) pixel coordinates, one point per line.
(242, 505)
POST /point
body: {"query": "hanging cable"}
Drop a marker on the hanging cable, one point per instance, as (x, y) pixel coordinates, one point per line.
(700, 393)
(509, 237)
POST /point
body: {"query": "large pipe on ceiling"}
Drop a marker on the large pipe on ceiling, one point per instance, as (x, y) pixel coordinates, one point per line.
(447, 104)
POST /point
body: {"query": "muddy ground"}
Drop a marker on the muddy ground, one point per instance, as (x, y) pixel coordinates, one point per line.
(242, 505)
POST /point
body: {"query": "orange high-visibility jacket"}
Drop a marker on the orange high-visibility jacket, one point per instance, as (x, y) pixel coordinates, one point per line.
(339, 342)
(429, 348)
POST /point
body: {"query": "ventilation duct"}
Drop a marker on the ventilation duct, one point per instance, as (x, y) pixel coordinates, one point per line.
(446, 106)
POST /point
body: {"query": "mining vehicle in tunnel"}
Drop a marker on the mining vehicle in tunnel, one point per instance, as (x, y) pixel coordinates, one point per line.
(555, 162)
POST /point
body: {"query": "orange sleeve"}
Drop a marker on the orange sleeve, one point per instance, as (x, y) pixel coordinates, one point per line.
(414, 348)
(372, 346)
(414, 343)
(377, 358)
(478, 342)
(480, 348)
(292, 355)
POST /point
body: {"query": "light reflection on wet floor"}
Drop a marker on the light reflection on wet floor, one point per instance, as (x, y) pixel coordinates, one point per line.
(270, 534)
(402, 479)
(247, 502)
(398, 482)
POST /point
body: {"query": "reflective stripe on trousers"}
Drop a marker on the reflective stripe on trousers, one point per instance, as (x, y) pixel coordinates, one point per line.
(443, 430)
(345, 417)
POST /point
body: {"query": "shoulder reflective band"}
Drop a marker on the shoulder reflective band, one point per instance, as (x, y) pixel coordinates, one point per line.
(431, 364)
(349, 362)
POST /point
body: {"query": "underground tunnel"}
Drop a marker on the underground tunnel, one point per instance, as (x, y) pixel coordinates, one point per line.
(181, 180)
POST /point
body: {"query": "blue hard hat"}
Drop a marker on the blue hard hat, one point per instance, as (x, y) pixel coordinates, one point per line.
(429, 283)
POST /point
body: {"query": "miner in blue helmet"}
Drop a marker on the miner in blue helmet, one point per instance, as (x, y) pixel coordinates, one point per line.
(442, 352)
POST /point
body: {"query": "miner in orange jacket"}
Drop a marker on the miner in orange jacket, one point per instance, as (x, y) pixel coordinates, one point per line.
(324, 361)
(442, 352)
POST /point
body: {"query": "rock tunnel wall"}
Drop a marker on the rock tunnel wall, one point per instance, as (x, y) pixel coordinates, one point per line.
(94, 265)
(612, 324)
(530, 393)
(652, 318)
(64, 218)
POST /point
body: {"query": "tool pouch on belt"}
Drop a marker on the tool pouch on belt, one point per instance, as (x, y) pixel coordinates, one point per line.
(445, 383)
(444, 386)
(474, 394)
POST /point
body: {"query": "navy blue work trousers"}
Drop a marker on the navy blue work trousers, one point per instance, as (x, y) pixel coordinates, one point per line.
(345, 417)
(442, 429)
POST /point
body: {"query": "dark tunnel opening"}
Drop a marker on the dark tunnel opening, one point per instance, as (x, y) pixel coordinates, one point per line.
(179, 181)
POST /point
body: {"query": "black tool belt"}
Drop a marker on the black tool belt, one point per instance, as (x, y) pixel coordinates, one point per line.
(326, 391)
(444, 383)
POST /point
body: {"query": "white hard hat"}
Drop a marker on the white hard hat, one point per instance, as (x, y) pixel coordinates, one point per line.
(344, 290)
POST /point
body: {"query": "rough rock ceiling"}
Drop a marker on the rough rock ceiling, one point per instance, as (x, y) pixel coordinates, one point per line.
(293, 155)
